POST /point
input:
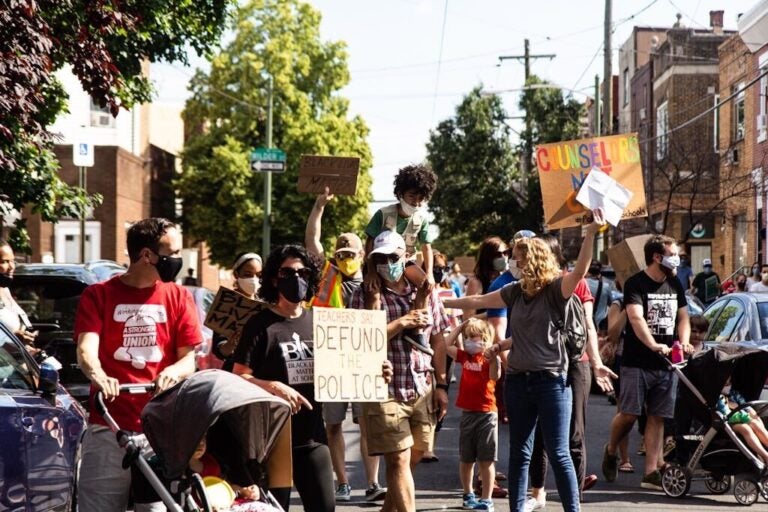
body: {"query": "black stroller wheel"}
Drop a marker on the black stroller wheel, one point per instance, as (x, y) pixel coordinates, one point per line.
(718, 484)
(676, 481)
(764, 490)
(746, 491)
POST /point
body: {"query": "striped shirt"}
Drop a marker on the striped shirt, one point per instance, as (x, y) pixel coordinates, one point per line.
(412, 368)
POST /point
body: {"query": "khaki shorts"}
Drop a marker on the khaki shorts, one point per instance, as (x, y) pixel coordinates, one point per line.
(394, 426)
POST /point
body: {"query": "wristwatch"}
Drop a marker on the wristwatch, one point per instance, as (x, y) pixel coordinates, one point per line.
(444, 387)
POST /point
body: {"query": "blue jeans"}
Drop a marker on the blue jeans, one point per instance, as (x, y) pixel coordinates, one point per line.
(542, 397)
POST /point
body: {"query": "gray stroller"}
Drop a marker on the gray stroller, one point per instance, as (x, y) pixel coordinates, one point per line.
(175, 422)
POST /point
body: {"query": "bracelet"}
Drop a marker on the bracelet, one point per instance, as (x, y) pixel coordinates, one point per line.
(444, 387)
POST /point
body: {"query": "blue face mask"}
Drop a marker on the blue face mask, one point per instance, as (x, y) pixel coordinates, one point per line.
(391, 272)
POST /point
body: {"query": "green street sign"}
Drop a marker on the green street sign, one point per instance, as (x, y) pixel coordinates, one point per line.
(268, 159)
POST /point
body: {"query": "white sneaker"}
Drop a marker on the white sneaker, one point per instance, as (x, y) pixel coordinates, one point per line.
(532, 504)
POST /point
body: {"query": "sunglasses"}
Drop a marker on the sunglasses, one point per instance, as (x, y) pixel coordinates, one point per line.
(287, 272)
(522, 234)
(389, 258)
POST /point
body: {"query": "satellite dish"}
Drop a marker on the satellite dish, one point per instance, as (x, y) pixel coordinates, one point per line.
(654, 42)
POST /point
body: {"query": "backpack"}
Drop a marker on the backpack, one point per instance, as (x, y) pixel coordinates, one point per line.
(572, 325)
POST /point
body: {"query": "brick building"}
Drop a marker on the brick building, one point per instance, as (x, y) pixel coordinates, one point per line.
(679, 82)
(136, 159)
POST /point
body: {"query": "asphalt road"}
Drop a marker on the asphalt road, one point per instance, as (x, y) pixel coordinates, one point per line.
(438, 486)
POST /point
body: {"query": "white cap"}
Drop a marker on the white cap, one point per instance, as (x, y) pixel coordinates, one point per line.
(706, 263)
(388, 242)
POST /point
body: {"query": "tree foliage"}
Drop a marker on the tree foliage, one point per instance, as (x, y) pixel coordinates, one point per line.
(222, 197)
(474, 160)
(105, 43)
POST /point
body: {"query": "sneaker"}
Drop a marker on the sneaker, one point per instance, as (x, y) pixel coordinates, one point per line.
(589, 482)
(375, 492)
(420, 342)
(610, 465)
(483, 505)
(532, 504)
(469, 501)
(652, 481)
(343, 492)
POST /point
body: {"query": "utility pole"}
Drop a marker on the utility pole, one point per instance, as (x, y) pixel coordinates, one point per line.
(528, 143)
(265, 242)
(607, 72)
(597, 107)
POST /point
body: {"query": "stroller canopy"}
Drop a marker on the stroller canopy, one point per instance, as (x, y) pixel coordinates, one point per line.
(176, 420)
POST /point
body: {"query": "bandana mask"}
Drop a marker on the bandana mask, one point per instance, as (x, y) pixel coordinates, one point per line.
(349, 267)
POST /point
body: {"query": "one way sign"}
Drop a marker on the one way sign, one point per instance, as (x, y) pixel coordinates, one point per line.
(268, 159)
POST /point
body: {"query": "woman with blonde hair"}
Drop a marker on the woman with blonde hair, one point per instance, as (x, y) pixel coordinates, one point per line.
(535, 388)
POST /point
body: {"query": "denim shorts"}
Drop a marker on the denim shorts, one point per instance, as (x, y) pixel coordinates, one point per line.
(654, 389)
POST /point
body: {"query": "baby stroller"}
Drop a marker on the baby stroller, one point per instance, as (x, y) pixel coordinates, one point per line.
(175, 422)
(714, 452)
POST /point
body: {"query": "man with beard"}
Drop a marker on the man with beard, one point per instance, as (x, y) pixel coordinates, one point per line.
(656, 310)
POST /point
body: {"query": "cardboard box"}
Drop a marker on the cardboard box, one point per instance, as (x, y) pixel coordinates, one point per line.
(338, 173)
(627, 258)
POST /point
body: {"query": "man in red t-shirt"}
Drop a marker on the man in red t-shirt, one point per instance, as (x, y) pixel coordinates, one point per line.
(138, 327)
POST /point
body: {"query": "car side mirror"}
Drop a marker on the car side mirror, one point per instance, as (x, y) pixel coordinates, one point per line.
(49, 379)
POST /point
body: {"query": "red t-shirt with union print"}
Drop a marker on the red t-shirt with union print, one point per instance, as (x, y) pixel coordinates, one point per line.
(140, 330)
(477, 391)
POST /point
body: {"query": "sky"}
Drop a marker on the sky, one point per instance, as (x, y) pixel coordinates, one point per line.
(412, 61)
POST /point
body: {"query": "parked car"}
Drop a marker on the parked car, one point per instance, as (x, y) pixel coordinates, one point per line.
(41, 428)
(50, 293)
(736, 317)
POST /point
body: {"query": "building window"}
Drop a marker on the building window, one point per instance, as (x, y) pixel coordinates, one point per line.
(716, 126)
(738, 112)
(100, 116)
(625, 86)
(662, 126)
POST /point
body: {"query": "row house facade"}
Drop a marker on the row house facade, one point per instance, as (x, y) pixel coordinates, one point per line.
(743, 138)
(673, 90)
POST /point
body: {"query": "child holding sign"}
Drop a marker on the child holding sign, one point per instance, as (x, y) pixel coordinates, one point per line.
(478, 430)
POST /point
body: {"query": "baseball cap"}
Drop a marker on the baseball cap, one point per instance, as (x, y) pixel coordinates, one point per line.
(523, 233)
(388, 242)
(348, 242)
(706, 262)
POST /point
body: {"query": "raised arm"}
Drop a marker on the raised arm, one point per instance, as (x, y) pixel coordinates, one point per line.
(571, 279)
(312, 233)
(475, 302)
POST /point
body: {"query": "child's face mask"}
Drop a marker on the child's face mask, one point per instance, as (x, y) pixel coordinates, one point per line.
(474, 346)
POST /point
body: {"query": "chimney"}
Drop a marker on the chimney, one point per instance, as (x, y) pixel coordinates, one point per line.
(716, 21)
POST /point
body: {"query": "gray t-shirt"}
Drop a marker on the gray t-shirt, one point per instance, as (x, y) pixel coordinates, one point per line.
(536, 342)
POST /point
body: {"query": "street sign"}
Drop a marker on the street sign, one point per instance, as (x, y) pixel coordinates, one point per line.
(268, 159)
(82, 154)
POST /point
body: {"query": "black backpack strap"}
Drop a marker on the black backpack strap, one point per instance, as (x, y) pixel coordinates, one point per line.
(597, 299)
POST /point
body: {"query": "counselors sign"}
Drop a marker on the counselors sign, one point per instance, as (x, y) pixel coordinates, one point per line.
(350, 346)
(563, 167)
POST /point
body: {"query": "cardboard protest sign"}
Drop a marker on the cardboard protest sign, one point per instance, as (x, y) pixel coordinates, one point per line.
(350, 346)
(563, 167)
(627, 258)
(467, 264)
(338, 173)
(229, 312)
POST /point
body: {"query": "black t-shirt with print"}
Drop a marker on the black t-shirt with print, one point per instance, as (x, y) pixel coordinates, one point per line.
(282, 349)
(660, 302)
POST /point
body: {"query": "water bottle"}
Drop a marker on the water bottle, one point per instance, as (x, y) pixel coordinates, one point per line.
(677, 352)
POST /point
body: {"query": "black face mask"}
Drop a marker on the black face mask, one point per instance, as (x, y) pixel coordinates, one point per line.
(5, 280)
(294, 288)
(439, 275)
(168, 267)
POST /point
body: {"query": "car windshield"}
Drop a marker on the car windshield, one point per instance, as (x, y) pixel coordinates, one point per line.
(762, 310)
(14, 372)
(49, 302)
